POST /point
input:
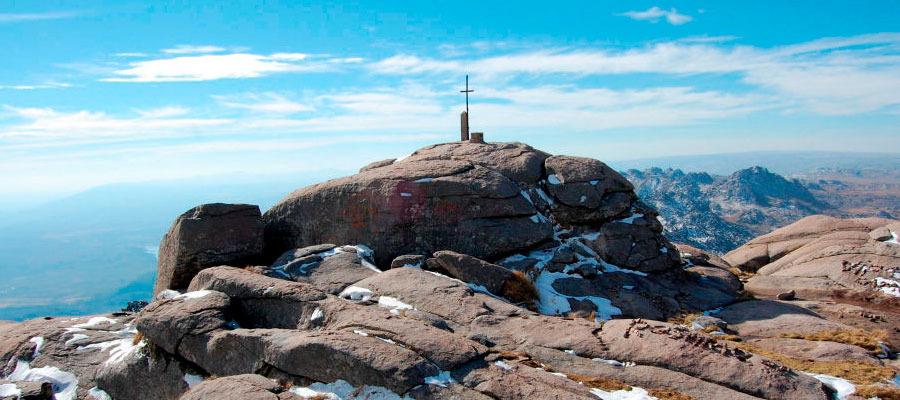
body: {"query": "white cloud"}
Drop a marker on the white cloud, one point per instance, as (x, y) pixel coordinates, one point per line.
(47, 124)
(828, 76)
(203, 68)
(266, 102)
(189, 49)
(654, 14)
(130, 54)
(288, 56)
(24, 17)
(164, 112)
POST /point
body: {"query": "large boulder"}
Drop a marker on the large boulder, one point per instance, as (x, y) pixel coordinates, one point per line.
(484, 200)
(206, 236)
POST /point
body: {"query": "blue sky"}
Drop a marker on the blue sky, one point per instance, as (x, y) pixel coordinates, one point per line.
(102, 92)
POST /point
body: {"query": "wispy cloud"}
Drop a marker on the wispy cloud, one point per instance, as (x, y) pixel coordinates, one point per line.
(47, 85)
(267, 102)
(205, 68)
(655, 14)
(828, 76)
(25, 17)
(190, 49)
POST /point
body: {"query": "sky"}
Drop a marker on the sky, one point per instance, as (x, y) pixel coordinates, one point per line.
(99, 92)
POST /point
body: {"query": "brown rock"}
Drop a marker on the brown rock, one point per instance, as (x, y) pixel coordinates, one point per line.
(787, 296)
(206, 236)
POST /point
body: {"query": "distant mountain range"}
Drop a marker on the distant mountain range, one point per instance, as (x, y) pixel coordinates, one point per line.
(780, 162)
(721, 212)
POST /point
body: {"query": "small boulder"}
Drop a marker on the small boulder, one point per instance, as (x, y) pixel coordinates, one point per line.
(408, 260)
(239, 387)
(206, 236)
(787, 296)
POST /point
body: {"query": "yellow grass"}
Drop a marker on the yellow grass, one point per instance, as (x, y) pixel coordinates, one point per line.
(856, 337)
(518, 288)
(858, 372)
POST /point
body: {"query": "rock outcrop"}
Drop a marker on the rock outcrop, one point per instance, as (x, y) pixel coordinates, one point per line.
(821, 257)
(464, 271)
(206, 236)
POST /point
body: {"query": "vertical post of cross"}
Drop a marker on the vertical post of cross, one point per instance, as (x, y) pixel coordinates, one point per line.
(464, 117)
(464, 126)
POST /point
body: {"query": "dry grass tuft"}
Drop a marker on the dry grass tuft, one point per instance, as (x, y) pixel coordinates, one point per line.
(666, 394)
(882, 392)
(685, 319)
(858, 372)
(519, 289)
(606, 385)
(745, 296)
(137, 338)
(857, 337)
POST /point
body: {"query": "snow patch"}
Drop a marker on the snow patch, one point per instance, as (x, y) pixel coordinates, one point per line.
(527, 197)
(583, 199)
(64, 383)
(405, 194)
(356, 293)
(842, 386)
(99, 394)
(553, 179)
(895, 239)
(96, 321)
(888, 286)
(343, 390)
(360, 333)
(635, 393)
(168, 294)
(394, 304)
(38, 343)
(544, 196)
(503, 365)
(192, 380)
(76, 338)
(630, 220)
(423, 180)
(442, 379)
(10, 390)
(316, 315)
(194, 295)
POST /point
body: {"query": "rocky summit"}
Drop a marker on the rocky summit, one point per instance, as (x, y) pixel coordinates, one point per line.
(463, 271)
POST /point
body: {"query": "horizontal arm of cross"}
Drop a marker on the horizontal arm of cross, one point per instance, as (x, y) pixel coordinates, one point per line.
(466, 91)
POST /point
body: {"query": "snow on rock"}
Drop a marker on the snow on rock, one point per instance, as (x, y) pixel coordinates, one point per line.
(9, 390)
(441, 379)
(192, 379)
(98, 394)
(503, 365)
(423, 180)
(394, 304)
(38, 343)
(343, 390)
(553, 179)
(76, 338)
(168, 294)
(64, 383)
(194, 295)
(356, 293)
(894, 238)
(635, 393)
(316, 315)
(94, 322)
(842, 386)
(630, 220)
(888, 286)
(555, 303)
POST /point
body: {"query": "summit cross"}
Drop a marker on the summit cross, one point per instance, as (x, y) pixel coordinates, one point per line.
(467, 91)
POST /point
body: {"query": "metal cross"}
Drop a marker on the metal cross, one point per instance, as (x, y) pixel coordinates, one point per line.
(467, 91)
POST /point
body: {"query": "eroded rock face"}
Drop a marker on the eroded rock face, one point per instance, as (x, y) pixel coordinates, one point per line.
(819, 257)
(206, 236)
(417, 333)
(483, 200)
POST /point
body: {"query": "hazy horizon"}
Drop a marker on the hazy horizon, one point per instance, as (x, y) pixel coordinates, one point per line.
(191, 90)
